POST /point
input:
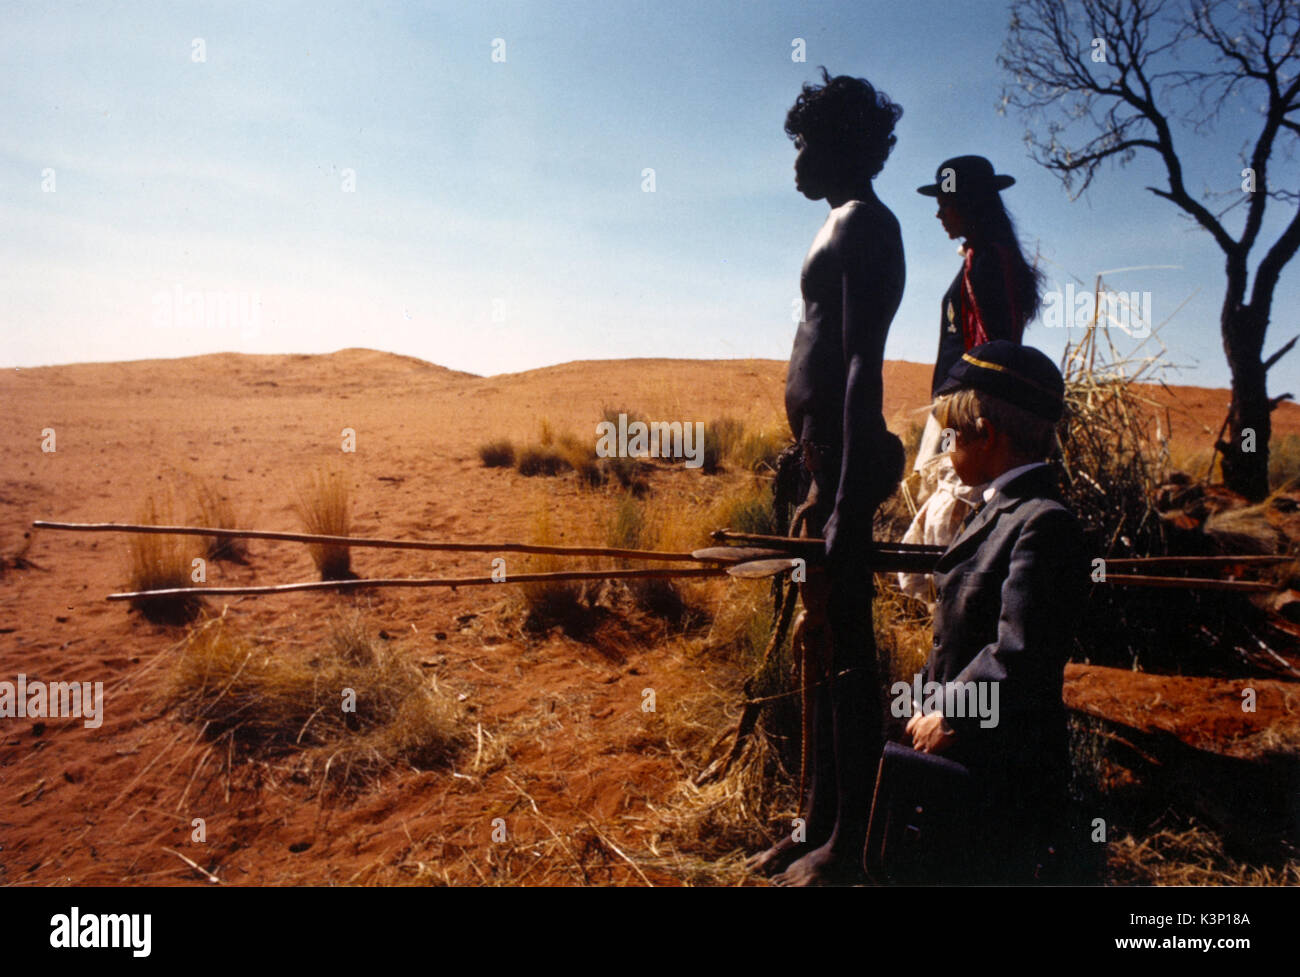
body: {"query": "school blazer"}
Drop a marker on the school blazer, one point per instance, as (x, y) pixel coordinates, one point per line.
(1011, 589)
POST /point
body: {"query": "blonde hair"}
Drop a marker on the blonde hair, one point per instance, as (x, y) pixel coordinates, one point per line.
(1030, 435)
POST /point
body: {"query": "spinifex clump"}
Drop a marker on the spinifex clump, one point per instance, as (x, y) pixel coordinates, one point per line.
(348, 708)
(324, 507)
(162, 562)
(218, 511)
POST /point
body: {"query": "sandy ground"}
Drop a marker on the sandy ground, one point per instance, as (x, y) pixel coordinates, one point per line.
(116, 804)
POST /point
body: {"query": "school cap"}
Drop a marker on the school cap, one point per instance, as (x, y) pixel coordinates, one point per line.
(1020, 375)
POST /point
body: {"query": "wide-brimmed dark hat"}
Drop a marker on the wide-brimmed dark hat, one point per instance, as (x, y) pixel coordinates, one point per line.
(1020, 375)
(966, 176)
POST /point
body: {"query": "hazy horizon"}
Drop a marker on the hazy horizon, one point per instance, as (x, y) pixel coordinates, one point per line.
(1179, 382)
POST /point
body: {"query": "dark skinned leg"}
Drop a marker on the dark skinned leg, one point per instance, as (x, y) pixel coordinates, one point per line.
(820, 803)
(855, 733)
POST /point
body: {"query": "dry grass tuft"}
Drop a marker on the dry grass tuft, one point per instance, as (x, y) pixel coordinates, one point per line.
(497, 454)
(323, 505)
(218, 511)
(581, 457)
(726, 440)
(749, 510)
(628, 472)
(757, 451)
(1284, 460)
(551, 604)
(614, 616)
(273, 702)
(540, 460)
(742, 624)
(611, 414)
(626, 528)
(1245, 530)
(159, 562)
(721, 438)
(636, 523)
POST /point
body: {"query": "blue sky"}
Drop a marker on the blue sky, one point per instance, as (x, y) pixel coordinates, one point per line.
(498, 220)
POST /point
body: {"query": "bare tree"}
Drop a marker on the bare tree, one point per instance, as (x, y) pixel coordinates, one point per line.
(1110, 78)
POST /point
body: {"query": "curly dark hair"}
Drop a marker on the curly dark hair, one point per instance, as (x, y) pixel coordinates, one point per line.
(848, 117)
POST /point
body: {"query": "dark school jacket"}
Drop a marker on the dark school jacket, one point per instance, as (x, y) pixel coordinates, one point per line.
(1010, 593)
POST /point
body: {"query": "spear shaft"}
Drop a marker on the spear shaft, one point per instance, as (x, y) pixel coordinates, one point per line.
(452, 582)
(361, 541)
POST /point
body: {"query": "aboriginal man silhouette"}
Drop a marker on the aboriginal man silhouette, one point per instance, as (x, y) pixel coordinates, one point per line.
(851, 282)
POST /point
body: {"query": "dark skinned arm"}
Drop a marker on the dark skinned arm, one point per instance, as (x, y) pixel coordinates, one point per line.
(866, 299)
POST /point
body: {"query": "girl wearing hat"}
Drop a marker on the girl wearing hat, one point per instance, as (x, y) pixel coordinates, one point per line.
(996, 292)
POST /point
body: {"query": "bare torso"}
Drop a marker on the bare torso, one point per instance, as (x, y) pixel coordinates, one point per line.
(852, 282)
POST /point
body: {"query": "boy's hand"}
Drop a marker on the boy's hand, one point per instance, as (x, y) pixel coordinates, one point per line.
(928, 732)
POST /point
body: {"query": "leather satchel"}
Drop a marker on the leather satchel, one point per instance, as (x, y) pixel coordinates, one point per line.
(920, 829)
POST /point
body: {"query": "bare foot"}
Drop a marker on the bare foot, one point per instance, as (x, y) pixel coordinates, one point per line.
(776, 858)
(821, 866)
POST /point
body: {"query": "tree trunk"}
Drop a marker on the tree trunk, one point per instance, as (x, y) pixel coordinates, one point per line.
(1245, 451)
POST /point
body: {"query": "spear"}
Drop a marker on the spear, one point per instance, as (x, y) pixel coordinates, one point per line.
(393, 544)
(918, 558)
(815, 544)
(452, 582)
(890, 557)
(777, 554)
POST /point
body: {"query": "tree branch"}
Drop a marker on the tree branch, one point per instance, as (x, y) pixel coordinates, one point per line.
(1268, 363)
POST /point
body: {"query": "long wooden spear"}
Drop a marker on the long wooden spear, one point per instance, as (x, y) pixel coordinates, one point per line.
(771, 544)
(758, 569)
(746, 562)
(791, 544)
(1191, 562)
(394, 544)
(1189, 583)
(452, 582)
(815, 543)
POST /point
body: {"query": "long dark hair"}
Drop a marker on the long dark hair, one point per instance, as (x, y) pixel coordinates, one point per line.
(987, 221)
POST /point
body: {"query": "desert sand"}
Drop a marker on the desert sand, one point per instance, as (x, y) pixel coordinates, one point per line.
(115, 804)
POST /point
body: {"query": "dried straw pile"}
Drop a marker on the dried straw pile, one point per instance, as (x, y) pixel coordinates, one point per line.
(1112, 464)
